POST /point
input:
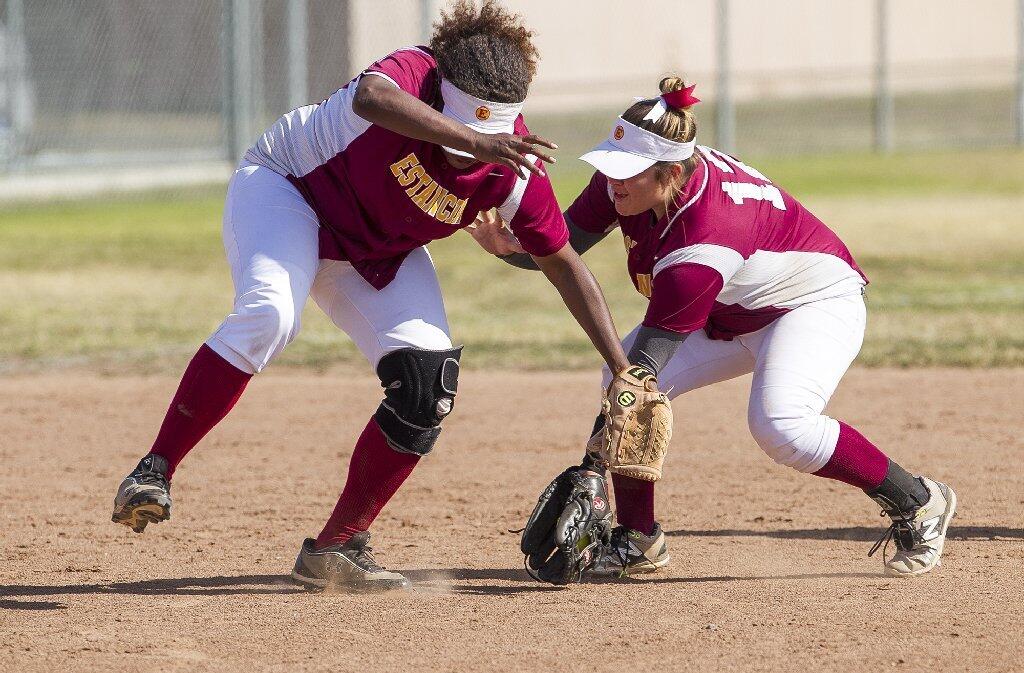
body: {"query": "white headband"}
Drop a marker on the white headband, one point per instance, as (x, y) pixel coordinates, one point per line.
(483, 115)
(630, 150)
(478, 114)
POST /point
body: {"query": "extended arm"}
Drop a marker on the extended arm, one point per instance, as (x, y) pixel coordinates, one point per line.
(582, 295)
(654, 347)
(682, 299)
(378, 101)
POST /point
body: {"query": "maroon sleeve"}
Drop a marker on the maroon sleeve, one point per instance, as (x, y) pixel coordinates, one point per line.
(682, 297)
(593, 210)
(413, 69)
(535, 218)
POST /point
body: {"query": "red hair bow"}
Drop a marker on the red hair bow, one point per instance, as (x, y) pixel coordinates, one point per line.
(683, 98)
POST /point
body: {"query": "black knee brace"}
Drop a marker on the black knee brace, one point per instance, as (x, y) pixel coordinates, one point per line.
(419, 391)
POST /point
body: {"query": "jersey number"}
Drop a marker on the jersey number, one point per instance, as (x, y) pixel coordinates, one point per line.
(738, 191)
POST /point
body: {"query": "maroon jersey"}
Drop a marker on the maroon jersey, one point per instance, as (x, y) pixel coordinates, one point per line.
(379, 195)
(771, 253)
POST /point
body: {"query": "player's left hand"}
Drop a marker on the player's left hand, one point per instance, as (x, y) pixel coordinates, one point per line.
(490, 232)
(638, 425)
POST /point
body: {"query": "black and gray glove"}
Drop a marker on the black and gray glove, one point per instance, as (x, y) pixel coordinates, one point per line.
(568, 527)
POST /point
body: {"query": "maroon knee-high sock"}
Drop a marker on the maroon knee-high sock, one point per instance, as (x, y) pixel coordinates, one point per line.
(375, 473)
(208, 390)
(634, 503)
(855, 461)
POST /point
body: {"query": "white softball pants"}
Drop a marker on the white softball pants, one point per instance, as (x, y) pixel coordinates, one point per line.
(272, 245)
(797, 363)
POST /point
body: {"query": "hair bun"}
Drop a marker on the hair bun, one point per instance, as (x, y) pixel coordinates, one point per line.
(671, 83)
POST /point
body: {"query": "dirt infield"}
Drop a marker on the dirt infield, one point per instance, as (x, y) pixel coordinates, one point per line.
(769, 571)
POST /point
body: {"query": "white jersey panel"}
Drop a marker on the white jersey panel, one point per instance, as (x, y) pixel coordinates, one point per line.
(725, 261)
(507, 210)
(789, 279)
(308, 137)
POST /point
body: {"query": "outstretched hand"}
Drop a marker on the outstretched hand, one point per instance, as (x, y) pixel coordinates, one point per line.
(510, 150)
(490, 232)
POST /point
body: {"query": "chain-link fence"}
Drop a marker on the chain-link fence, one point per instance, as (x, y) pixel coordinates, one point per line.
(129, 82)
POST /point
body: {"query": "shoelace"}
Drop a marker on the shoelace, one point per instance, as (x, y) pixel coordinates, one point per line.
(902, 531)
(152, 478)
(364, 558)
(621, 552)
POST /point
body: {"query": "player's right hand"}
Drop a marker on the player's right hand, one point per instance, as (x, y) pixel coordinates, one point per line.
(510, 150)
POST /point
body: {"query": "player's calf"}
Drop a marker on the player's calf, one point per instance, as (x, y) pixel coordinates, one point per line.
(144, 496)
(920, 509)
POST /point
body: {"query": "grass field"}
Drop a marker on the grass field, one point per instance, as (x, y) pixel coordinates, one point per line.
(137, 282)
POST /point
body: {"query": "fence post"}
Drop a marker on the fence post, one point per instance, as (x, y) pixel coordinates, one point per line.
(257, 99)
(1020, 72)
(883, 92)
(229, 106)
(238, 76)
(17, 105)
(725, 112)
(298, 53)
(426, 15)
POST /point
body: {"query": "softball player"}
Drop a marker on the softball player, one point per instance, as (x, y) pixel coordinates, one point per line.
(336, 201)
(740, 278)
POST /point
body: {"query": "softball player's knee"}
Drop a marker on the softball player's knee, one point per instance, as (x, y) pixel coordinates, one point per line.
(277, 325)
(419, 392)
(257, 332)
(795, 439)
(416, 333)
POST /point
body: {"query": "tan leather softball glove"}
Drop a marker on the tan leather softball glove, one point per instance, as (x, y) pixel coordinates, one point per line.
(638, 425)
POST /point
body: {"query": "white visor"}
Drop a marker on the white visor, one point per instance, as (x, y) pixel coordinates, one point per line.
(631, 150)
(476, 113)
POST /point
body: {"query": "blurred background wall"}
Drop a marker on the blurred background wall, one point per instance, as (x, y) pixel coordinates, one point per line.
(176, 83)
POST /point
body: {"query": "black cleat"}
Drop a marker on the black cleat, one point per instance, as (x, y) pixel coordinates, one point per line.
(144, 496)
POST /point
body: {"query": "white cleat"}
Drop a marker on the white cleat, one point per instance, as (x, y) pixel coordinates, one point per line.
(344, 567)
(919, 536)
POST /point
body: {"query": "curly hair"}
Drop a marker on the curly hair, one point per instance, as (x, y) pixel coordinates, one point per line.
(487, 53)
